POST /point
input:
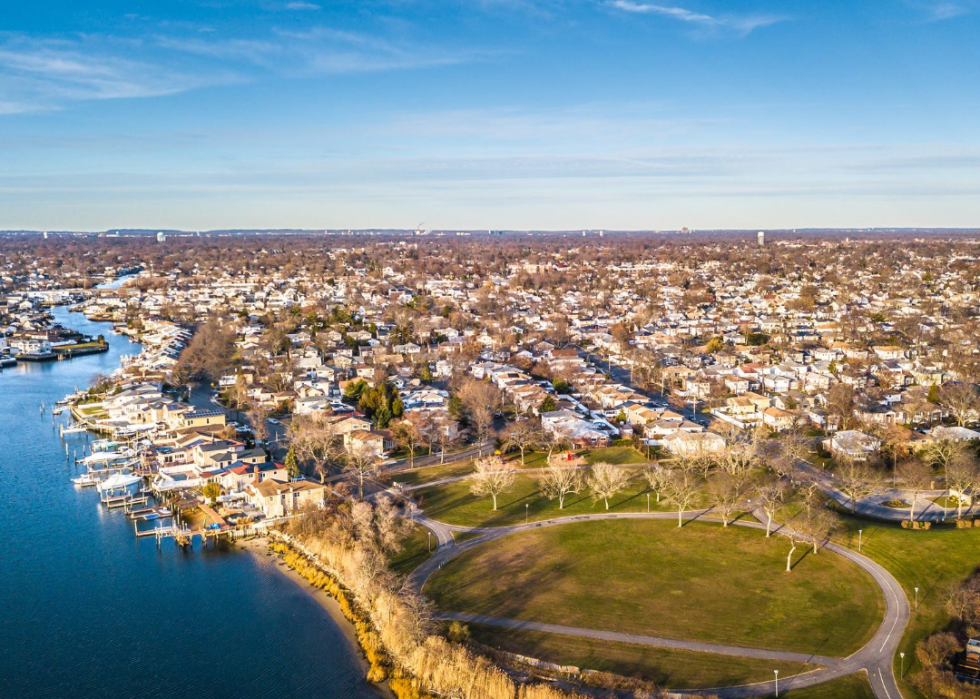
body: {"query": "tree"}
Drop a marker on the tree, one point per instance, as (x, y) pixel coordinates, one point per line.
(257, 417)
(561, 481)
(856, 479)
(840, 404)
(815, 522)
(481, 400)
(211, 491)
(492, 478)
(548, 405)
(771, 493)
(316, 441)
(605, 480)
(962, 475)
(915, 476)
(682, 490)
(726, 495)
(408, 435)
(961, 400)
(658, 478)
(292, 464)
(361, 464)
(445, 435)
(522, 435)
(555, 438)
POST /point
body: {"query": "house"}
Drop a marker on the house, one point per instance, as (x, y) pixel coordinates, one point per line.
(579, 431)
(375, 442)
(852, 443)
(684, 443)
(277, 498)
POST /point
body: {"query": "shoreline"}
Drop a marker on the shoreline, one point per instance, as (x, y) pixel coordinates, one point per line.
(259, 547)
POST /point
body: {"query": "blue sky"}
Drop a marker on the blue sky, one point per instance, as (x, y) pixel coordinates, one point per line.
(631, 114)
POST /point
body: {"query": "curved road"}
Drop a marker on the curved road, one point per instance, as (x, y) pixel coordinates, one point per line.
(875, 657)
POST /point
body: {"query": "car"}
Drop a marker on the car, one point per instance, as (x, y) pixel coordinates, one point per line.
(273, 420)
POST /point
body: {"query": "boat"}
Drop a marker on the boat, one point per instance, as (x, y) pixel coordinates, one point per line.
(73, 429)
(118, 481)
(58, 410)
(86, 480)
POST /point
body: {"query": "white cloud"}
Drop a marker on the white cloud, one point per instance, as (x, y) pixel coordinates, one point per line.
(44, 74)
(302, 6)
(740, 25)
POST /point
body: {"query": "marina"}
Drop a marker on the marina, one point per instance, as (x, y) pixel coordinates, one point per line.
(71, 553)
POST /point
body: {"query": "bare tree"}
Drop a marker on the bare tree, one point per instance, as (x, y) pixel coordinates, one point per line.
(561, 481)
(409, 436)
(726, 494)
(961, 400)
(962, 475)
(257, 417)
(658, 478)
(522, 435)
(606, 480)
(492, 478)
(915, 476)
(772, 493)
(361, 464)
(554, 439)
(481, 400)
(316, 440)
(856, 479)
(683, 491)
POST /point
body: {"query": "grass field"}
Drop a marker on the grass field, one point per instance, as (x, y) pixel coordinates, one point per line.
(615, 455)
(701, 582)
(933, 560)
(430, 473)
(665, 668)
(453, 503)
(854, 686)
(415, 551)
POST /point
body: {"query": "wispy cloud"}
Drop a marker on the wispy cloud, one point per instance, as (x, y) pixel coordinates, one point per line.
(43, 74)
(740, 25)
(939, 10)
(317, 50)
(302, 6)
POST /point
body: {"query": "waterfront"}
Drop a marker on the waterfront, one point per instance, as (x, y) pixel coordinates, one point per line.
(91, 612)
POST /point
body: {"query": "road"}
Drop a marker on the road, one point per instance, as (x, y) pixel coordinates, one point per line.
(621, 374)
(875, 657)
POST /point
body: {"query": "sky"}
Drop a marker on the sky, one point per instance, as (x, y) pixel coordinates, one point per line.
(489, 114)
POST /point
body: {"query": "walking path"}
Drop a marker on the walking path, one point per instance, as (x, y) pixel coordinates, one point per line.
(876, 657)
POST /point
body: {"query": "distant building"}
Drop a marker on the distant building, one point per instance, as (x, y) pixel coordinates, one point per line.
(161, 238)
(761, 235)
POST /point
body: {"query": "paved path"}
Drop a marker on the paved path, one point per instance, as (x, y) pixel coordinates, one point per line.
(639, 639)
(876, 657)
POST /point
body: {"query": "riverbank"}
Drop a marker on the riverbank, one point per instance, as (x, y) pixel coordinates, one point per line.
(260, 548)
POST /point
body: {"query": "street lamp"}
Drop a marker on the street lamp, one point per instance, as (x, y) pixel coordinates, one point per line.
(917, 599)
(430, 541)
(860, 536)
(777, 682)
(902, 673)
(527, 510)
(648, 502)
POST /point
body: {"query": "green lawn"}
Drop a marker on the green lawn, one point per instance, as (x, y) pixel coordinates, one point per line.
(700, 582)
(415, 551)
(430, 473)
(933, 560)
(854, 686)
(615, 455)
(666, 668)
(453, 503)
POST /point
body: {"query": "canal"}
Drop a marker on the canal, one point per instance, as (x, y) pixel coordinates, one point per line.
(89, 612)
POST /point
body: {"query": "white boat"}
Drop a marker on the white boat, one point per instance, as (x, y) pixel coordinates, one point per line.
(118, 481)
(58, 410)
(86, 480)
(73, 429)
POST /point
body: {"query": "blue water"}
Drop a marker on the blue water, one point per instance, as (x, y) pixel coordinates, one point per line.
(87, 611)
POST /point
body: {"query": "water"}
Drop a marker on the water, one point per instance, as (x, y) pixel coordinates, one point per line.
(87, 611)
